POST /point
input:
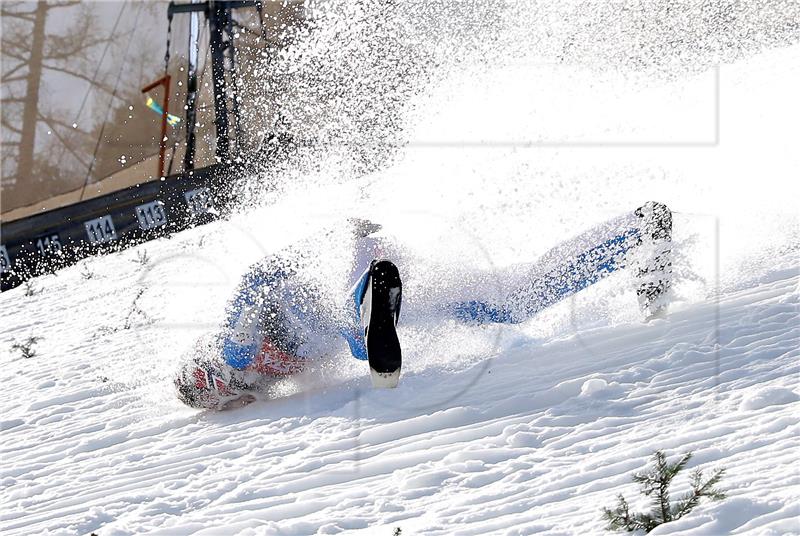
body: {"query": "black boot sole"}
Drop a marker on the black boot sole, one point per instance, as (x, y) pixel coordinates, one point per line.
(383, 346)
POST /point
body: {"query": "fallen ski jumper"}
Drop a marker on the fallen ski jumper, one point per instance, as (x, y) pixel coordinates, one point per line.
(278, 321)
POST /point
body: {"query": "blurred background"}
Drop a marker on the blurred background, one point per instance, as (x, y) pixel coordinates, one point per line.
(582, 109)
(75, 122)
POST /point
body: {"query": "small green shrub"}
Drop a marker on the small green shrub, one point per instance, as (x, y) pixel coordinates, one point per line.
(655, 484)
(31, 289)
(27, 348)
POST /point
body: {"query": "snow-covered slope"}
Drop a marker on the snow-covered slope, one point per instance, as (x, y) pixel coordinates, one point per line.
(536, 439)
(513, 430)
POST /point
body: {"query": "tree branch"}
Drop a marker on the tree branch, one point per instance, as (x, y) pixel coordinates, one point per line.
(26, 15)
(12, 99)
(62, 140)
(9, 126)
(57, 51)
(77, 75)
(11, 79)
(67, 3)
(12, 71)
(52, 120)
(10, 54)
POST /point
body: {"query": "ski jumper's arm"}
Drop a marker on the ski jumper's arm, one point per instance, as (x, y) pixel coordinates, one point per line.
(242, 335)
(275, 318)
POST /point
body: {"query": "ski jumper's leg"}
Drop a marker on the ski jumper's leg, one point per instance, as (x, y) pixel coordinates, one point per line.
(582, 261)
(576, 271)
(373, 308)
(372, 336)
(352, 332)
(366, 250)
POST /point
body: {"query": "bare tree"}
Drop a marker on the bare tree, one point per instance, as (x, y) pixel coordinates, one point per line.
(30, 49)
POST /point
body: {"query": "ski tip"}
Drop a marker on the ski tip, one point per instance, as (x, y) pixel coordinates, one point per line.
(384, 380)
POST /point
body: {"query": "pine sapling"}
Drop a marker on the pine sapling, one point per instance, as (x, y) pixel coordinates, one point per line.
(699, 490)
(655, 484)
(620, 518)
(142, 257)
(31, 289)
(26, 348)
(87, 272)
(135, 310)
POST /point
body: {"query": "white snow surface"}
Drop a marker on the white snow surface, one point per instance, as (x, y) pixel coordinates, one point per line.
(493, 430)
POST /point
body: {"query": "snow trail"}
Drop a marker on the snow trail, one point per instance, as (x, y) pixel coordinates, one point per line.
(549, 428)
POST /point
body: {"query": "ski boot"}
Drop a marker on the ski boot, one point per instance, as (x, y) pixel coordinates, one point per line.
(379, 310)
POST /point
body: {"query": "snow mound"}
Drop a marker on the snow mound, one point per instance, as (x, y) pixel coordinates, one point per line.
(772, 396)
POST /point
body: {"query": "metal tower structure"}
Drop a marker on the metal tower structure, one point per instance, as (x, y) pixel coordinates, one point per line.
(219, 15)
